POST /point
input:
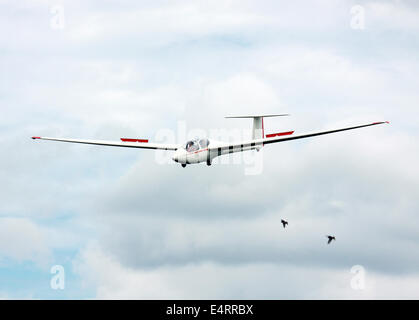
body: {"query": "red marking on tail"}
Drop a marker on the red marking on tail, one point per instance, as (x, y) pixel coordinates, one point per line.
(279, 134)
(263, 130)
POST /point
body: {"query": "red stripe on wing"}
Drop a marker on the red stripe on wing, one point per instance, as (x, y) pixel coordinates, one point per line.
(279, 134)
(134, 140)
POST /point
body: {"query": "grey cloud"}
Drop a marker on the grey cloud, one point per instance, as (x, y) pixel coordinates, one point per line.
(22, 240)
(319, 187)
(251, 281)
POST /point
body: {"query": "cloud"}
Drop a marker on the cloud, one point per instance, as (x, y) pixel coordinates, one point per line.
(393, 15)
(22, 240)
(162, 231)
(338, 184)
(4, 296)
(251, 281)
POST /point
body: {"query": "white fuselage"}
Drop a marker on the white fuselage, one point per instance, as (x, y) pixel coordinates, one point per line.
(197, 151)
(184, 157)
(194, 151)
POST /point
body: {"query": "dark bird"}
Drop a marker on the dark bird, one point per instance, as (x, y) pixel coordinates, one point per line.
(284, 223)
(330, 239)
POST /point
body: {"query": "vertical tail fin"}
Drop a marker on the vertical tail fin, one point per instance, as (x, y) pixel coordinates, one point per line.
(258, 128)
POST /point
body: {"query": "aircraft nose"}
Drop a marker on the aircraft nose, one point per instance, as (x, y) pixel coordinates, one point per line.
(175, 158)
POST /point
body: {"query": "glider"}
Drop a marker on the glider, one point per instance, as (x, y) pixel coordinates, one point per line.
(205, 150)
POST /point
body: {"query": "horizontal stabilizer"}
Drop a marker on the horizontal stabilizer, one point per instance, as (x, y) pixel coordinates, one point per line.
(258, 116)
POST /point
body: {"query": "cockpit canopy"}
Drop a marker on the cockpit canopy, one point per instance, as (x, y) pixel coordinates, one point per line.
(197, 144)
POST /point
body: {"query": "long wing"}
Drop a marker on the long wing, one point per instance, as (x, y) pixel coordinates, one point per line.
(128, 143)
(252, 144)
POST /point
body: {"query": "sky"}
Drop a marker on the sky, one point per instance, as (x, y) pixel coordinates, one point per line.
(131, 224)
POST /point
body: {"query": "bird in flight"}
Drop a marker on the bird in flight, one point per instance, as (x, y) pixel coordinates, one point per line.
(284, 223)
(331, 238)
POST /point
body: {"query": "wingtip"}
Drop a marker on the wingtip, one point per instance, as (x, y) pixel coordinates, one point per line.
(36, 138)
